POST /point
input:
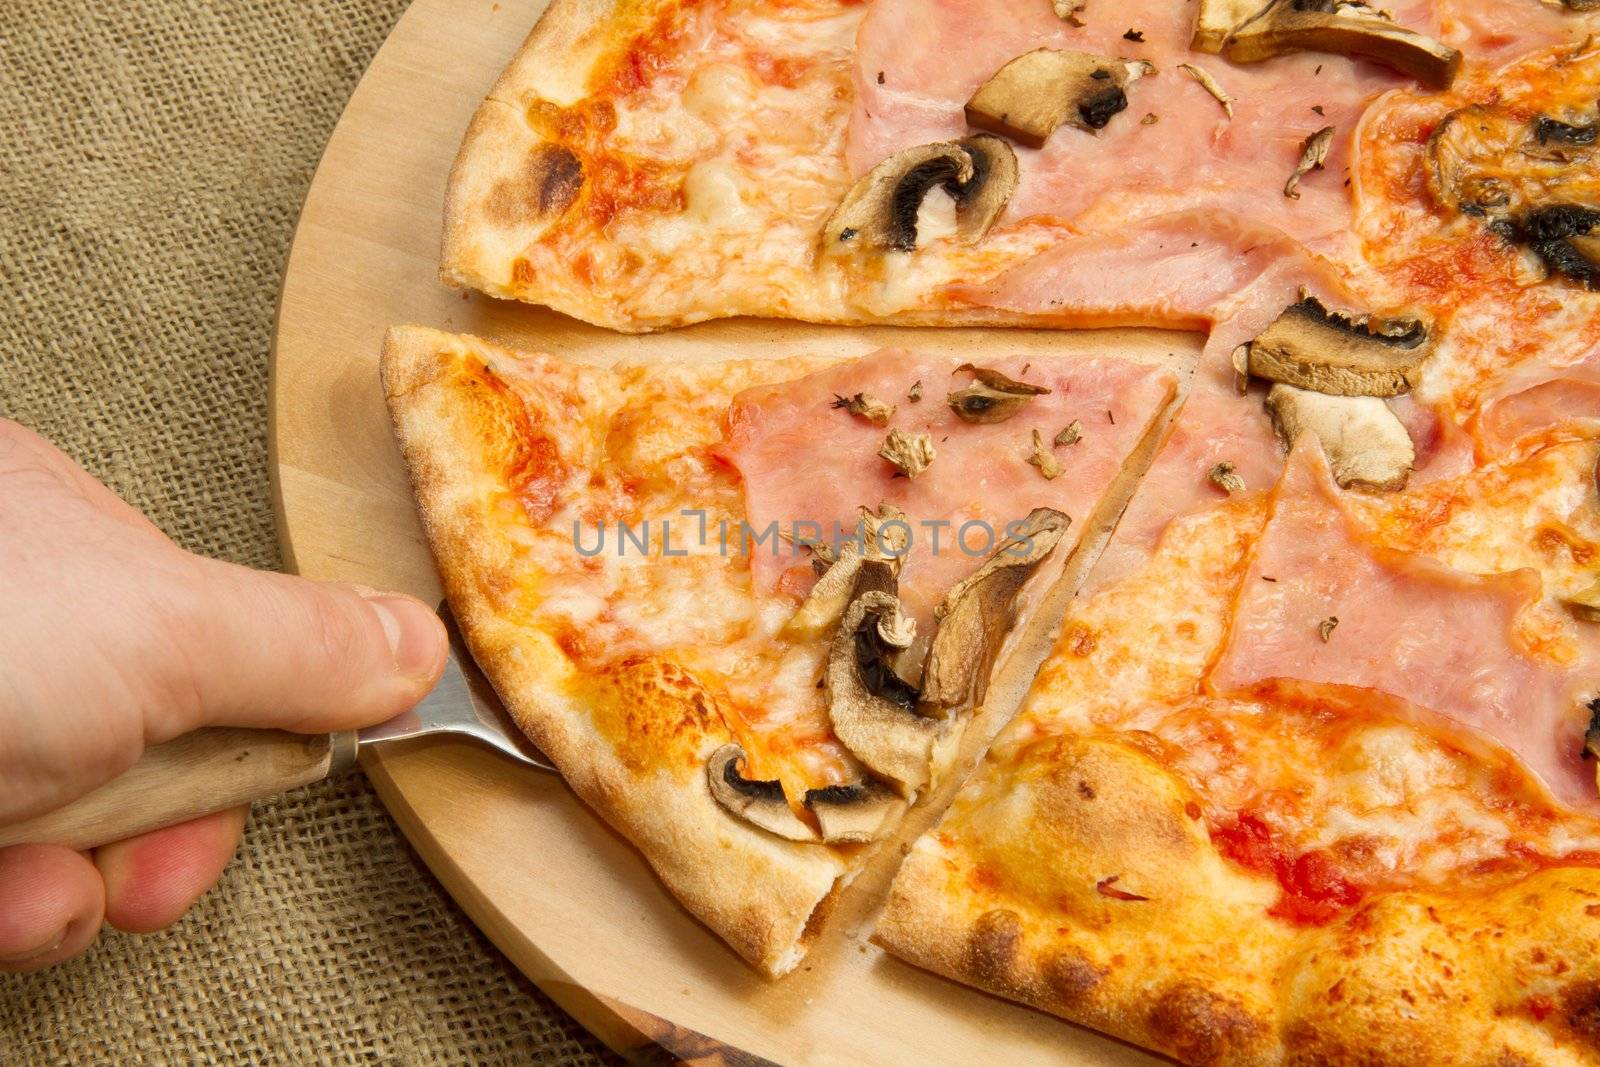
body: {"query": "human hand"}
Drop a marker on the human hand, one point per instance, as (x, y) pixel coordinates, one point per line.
(111, 639)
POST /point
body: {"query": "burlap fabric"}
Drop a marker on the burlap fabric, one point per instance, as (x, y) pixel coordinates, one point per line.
(152, 159)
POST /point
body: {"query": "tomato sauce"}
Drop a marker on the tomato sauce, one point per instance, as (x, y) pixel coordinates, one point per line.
(1314, 889)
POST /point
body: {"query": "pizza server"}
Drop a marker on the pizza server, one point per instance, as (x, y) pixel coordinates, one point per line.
(213, 769)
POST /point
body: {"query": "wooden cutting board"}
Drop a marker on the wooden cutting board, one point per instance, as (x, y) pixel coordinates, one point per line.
(564, 897)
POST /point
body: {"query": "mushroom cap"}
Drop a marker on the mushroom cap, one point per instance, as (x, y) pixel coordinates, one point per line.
(879, 213)
(1534, 182)
(855, 570)
(851, 813)
(1366, 444)
(1344, 29)
(1313, 348)
(1216, 20)
(1038, 91)
(872, 709)
(992, 396)
(760, 803)
(854, 813)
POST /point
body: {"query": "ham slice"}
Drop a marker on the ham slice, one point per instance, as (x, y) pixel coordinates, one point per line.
(1411, 634)
(804, 461)
(1184, 270)
(1216, 425)
(1539, 395)
(1192, 156)
(1492, 33)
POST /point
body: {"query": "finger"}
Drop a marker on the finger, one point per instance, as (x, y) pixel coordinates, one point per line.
(274, 650)
(51, 903)
(152, 879)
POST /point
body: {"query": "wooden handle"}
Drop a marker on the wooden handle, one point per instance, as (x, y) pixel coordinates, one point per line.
(193, 775)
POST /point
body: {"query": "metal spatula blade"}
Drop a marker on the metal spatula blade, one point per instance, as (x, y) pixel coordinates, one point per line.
(462, 703)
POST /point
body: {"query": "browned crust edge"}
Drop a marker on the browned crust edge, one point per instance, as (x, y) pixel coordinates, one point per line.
(564, 46)
(1507, 975)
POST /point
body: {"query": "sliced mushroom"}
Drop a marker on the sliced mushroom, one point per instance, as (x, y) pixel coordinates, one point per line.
(1313, 154)
(1549, 131)
(992, 397)
(879, 213)
(1567, 238)
(1492, 163)
(760, 803)
(873, 709)
(1366, 444)
(854, 813)
(1217, 19)
(1038, 91)
(980, 610)
(861, 564)
(1311, 347)
(1536, 183)
(1343, 27)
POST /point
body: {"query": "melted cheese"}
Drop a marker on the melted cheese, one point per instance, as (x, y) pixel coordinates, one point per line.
(1394, 801)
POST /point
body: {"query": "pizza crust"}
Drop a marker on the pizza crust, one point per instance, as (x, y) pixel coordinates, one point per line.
(764, 895)
(1004, 895)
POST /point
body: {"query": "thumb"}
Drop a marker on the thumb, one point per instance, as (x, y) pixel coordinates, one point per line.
(273, 650)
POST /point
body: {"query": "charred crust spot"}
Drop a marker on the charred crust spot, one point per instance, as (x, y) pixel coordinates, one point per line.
(1580, 1010)
(1085, 789)
(1070, 976)
(991, 950)
(1201, 1026)
(560, 177)
(546, 186)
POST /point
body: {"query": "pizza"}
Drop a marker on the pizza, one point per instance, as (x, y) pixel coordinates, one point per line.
(669, 574)
(1289, 667)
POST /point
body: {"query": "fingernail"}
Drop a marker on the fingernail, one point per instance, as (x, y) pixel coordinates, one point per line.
(36, 953)
(416, 637)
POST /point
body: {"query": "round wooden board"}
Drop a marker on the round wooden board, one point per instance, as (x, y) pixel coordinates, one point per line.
(570, 902)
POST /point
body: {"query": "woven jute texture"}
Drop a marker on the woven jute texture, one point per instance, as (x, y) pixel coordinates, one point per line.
(152, 159)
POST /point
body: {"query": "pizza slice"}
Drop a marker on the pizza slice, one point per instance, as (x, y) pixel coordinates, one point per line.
(652, 164)
(749, 607)
(1305, 782)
